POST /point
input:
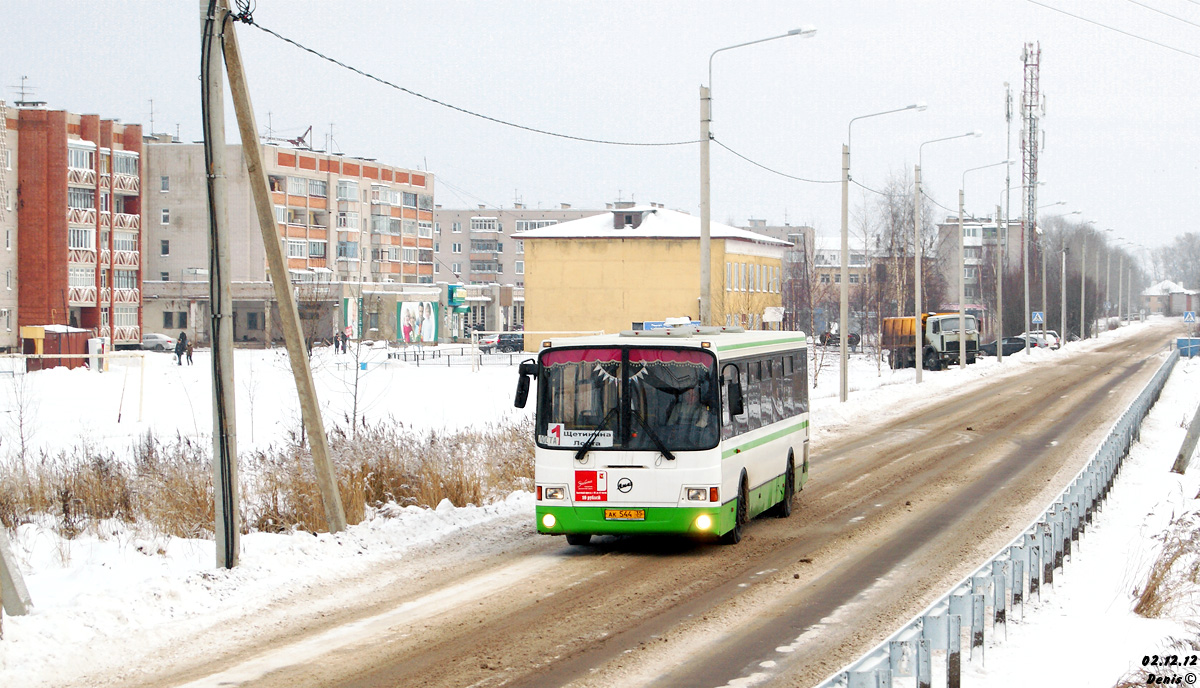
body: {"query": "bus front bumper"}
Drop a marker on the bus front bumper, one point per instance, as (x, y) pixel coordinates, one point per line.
(708, 521)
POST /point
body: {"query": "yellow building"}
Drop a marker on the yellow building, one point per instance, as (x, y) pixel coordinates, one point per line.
(628, 266)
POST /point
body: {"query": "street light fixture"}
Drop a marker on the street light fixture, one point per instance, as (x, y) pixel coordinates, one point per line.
(844, 314)
(705, 208)
(918, 344)
(962, 279)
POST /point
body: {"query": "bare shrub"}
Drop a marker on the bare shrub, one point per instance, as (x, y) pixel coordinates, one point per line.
(1173, 578)
(168, 485)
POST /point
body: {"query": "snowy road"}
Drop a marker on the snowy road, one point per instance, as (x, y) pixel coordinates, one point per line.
(895, 512)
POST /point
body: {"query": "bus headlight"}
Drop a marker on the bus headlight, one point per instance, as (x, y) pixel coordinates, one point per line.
(697, 494)
(556, 493)
(703, 522)
(548, 520)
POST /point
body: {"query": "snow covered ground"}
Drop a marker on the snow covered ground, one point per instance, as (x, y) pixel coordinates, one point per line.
(109, 597)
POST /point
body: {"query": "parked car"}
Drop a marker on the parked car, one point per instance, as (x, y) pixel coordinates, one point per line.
(505, 342)
(153, 341)
(831, 339)
(1011, 346)
(1036, 339)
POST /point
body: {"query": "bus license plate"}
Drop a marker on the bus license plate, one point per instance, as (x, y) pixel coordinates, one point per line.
(624, 514)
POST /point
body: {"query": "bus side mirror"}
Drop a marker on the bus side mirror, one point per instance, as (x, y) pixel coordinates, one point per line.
(525, 370)
(733, 393)
(736, 405)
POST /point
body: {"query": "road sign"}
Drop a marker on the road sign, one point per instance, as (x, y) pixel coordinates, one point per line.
(1189, 317)
(1039, 317)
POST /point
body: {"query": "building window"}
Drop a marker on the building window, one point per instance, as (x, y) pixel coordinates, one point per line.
(125, 279)
(825, 278)
(81, 277)
(7, 317)
(7, 163)
(125, 316)
(437, 268)
(425, 229)
(854, 278)
(297, 186)
(456, 248)
(281, 214)
(81, 238)
(125, 241)
(318, 188)
(456, 227)
(348, 249)
(316, 249)
(347, 220)
(519, 267)
(164, 183)
(347, 190)
(524, 225)
(520, 247)
(81, 158)
(168, 320)
(164, 276)
(125, 162)
(484, 224)
(83, 199)
(166, 216)
(456, 268)
(252, 321)
(8, 279)
(297, 249)
(165, 248)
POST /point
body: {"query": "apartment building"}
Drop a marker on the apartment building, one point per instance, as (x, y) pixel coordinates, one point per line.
(80, 243)
(343, 223)
(797, 270)
(8, 227)
(476, 247)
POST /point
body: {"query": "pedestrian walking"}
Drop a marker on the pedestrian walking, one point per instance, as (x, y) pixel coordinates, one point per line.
(188, 350)
(181, 345)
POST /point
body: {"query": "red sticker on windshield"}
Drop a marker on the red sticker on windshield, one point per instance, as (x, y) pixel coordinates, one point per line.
(591, 486)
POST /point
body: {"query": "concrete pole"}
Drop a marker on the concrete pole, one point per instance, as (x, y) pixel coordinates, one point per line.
(1045, 309)
(962, 285)
(705, 210)
(225, 481)
(1000, 246)
(1120, 288)
(844, 314)
(918, 330)
(1062, 316)
(1083, 290)
(335, 517)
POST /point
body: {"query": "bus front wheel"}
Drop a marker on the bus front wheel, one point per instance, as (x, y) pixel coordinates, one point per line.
(741, 514)
(578, 539)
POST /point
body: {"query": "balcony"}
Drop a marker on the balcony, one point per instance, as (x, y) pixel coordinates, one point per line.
(127, 221)
(127, 184)
(81, 216)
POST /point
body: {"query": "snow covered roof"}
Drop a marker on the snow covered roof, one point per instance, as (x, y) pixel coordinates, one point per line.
(655, 223)
(1166, 287)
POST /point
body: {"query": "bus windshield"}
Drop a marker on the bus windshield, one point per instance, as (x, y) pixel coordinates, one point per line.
(628, 398)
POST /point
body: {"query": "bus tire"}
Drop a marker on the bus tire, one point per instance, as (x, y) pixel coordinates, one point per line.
(579, 539)
(741, 514)
(784, 508)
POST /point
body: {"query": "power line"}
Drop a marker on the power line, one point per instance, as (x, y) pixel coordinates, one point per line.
(246, 18)
(1111, 28)
(1165, 14)
(774, 171)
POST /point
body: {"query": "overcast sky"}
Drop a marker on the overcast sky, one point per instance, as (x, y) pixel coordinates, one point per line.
(1121, 141)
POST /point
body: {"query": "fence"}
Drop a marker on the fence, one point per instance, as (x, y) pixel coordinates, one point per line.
(1017, 572)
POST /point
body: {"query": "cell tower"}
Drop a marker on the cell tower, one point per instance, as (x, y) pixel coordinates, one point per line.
(1031, 110)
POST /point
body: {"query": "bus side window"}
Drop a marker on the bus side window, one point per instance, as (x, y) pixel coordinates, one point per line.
(741, 424)
(785, 386)
(800, 385)
(768, 392)
(754, 395)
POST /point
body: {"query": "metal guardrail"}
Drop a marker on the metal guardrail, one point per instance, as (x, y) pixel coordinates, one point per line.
(1015, 573)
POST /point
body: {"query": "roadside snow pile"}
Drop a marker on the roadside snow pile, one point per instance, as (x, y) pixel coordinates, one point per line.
(100, 600)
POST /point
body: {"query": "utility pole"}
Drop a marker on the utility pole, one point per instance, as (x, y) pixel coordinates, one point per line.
(705, 209)
(1083, 289)
(225, 483)
(1032, 57)
(310, 411)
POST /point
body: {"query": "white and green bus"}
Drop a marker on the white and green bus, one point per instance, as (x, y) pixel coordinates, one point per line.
(691, 431)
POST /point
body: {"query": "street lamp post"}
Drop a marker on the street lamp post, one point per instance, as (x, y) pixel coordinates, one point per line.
(918, 343)
(844, 313)
(1062, 316)
(1082, 289)
(962, 279)
(1062, 325)
(705, 208)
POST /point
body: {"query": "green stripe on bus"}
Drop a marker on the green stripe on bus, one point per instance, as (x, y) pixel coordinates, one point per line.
(746, 345)
(764, 439)
(658, 520)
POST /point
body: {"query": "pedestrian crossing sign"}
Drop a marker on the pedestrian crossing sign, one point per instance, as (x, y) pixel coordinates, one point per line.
(1189, 317)
(1039, 317)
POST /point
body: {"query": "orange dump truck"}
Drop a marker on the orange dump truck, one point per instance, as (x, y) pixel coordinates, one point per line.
(939, 339)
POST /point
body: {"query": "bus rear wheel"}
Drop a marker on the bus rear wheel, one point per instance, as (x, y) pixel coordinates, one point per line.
(784, 508)
(741, 514)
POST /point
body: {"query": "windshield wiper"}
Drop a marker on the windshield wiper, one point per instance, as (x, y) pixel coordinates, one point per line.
(662, 448)
(591, 440)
